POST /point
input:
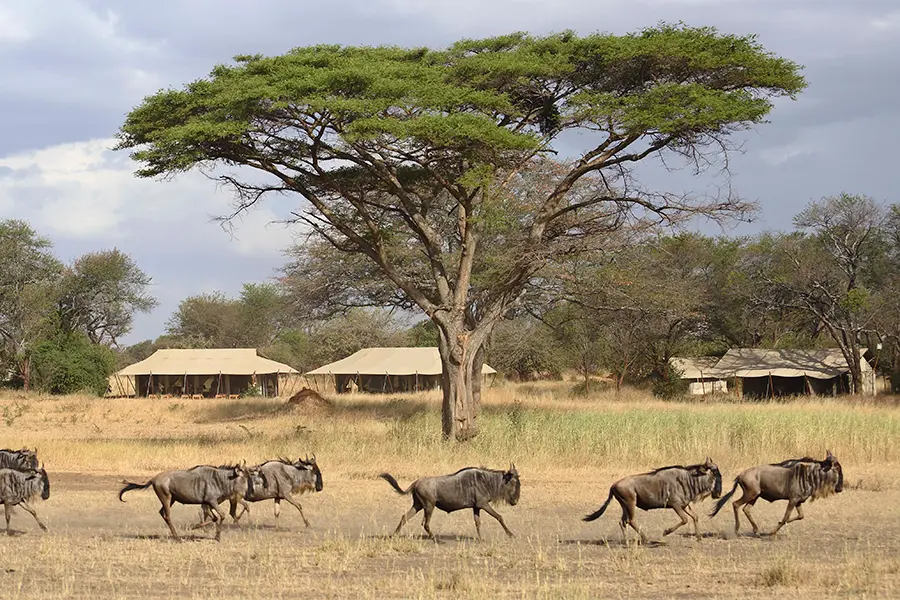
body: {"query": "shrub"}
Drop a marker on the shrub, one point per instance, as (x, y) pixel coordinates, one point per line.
(71, 363)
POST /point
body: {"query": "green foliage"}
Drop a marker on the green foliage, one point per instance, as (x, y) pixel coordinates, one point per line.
(71, 364)
(670, 384)
(423, 334)
(101, 292)
(253, 391)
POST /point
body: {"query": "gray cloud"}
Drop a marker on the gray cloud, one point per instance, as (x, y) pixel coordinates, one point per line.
(71, 75)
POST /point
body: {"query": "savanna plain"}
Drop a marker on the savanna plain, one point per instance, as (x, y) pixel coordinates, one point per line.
(568, 450)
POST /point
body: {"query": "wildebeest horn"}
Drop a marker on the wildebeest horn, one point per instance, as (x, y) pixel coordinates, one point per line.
(313, 459)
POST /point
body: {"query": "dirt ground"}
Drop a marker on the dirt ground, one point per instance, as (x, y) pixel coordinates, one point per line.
(96, 546)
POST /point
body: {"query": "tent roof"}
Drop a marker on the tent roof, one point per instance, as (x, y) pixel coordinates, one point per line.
(758, 362)
(206, 361)
(390, 361)
(700, 367)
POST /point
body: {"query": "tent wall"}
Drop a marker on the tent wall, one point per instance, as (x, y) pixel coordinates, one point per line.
(766, 387)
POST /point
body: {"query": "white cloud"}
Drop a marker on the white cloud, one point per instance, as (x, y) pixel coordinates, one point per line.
(13, 28)
(887, 23)
(85, 191)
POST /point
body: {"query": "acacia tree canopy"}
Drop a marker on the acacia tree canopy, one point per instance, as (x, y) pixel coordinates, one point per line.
(422, 161)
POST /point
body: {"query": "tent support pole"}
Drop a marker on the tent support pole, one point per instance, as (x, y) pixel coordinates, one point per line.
(702, 384)
(771, 386)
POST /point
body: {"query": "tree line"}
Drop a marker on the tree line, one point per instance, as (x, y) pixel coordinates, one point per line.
(623, 311)
(58, 321)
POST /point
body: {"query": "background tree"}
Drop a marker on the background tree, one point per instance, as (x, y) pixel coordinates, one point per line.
(828, 270)
(71, 363)
(207, 321)
(29, 277)
(430, 164)
(525, 349)
(100, 294)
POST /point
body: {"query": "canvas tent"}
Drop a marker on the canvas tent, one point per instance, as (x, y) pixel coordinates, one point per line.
(384, 370)
(701, 373)
(769, 373)
(204, 372)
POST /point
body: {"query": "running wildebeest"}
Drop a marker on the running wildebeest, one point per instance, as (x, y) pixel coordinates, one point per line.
(22, 460)
(674, 487)
(279, 479)
(205, 485)
(19, 486)
(471, 487)
(795, 480)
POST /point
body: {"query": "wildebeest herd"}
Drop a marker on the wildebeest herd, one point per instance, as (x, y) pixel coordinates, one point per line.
(676, 487)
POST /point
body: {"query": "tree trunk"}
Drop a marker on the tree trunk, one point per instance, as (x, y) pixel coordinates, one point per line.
(26, 373)
(856, 386)
(462, 357)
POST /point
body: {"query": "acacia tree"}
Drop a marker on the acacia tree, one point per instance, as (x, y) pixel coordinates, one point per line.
(100, 293)
(418, 159)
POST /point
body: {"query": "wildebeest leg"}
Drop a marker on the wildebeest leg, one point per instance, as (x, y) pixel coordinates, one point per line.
(426, 523)
(629, 510)
(750, 518)
(217, 518)
(245, 508)
(623, 522)
(490, 510)
(787, 513)
(7, 509)
(746, 500)
(24, 505)
(476, 512)
(166, 513)
(416, 507)
(290, 500)
(684, 519)
(693, 516)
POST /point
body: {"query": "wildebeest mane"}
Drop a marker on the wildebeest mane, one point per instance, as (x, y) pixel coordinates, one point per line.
(479, 469)
(793, 461)
(671, 467)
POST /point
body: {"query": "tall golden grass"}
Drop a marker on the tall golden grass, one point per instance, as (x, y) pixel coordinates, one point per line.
(540, 427)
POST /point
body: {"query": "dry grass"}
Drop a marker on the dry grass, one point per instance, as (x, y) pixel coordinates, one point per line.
(568, 449)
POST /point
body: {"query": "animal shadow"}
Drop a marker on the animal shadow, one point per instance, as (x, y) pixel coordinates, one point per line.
(441, 538)
(15, 533)
(166, 536)
(614, 543)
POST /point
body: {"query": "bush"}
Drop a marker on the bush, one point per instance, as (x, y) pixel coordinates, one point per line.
(71, 364)
(670, 385)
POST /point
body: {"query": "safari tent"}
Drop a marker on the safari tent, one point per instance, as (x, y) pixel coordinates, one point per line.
(770, 373)
(701, 373)
(384, 370)
(206, 373)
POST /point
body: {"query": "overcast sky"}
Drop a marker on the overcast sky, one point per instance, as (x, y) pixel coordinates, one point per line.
(72, 69)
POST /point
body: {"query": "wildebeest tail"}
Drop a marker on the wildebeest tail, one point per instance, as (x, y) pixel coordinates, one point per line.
(724, 499)
(390, 479)
(133, 486)
(596, 514)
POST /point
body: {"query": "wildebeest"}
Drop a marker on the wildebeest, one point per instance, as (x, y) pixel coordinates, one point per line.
(672, 487)
(23, 459)
(795, 480)
(205, 485)
(19, 486)
(279, 479)
(471, 487)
